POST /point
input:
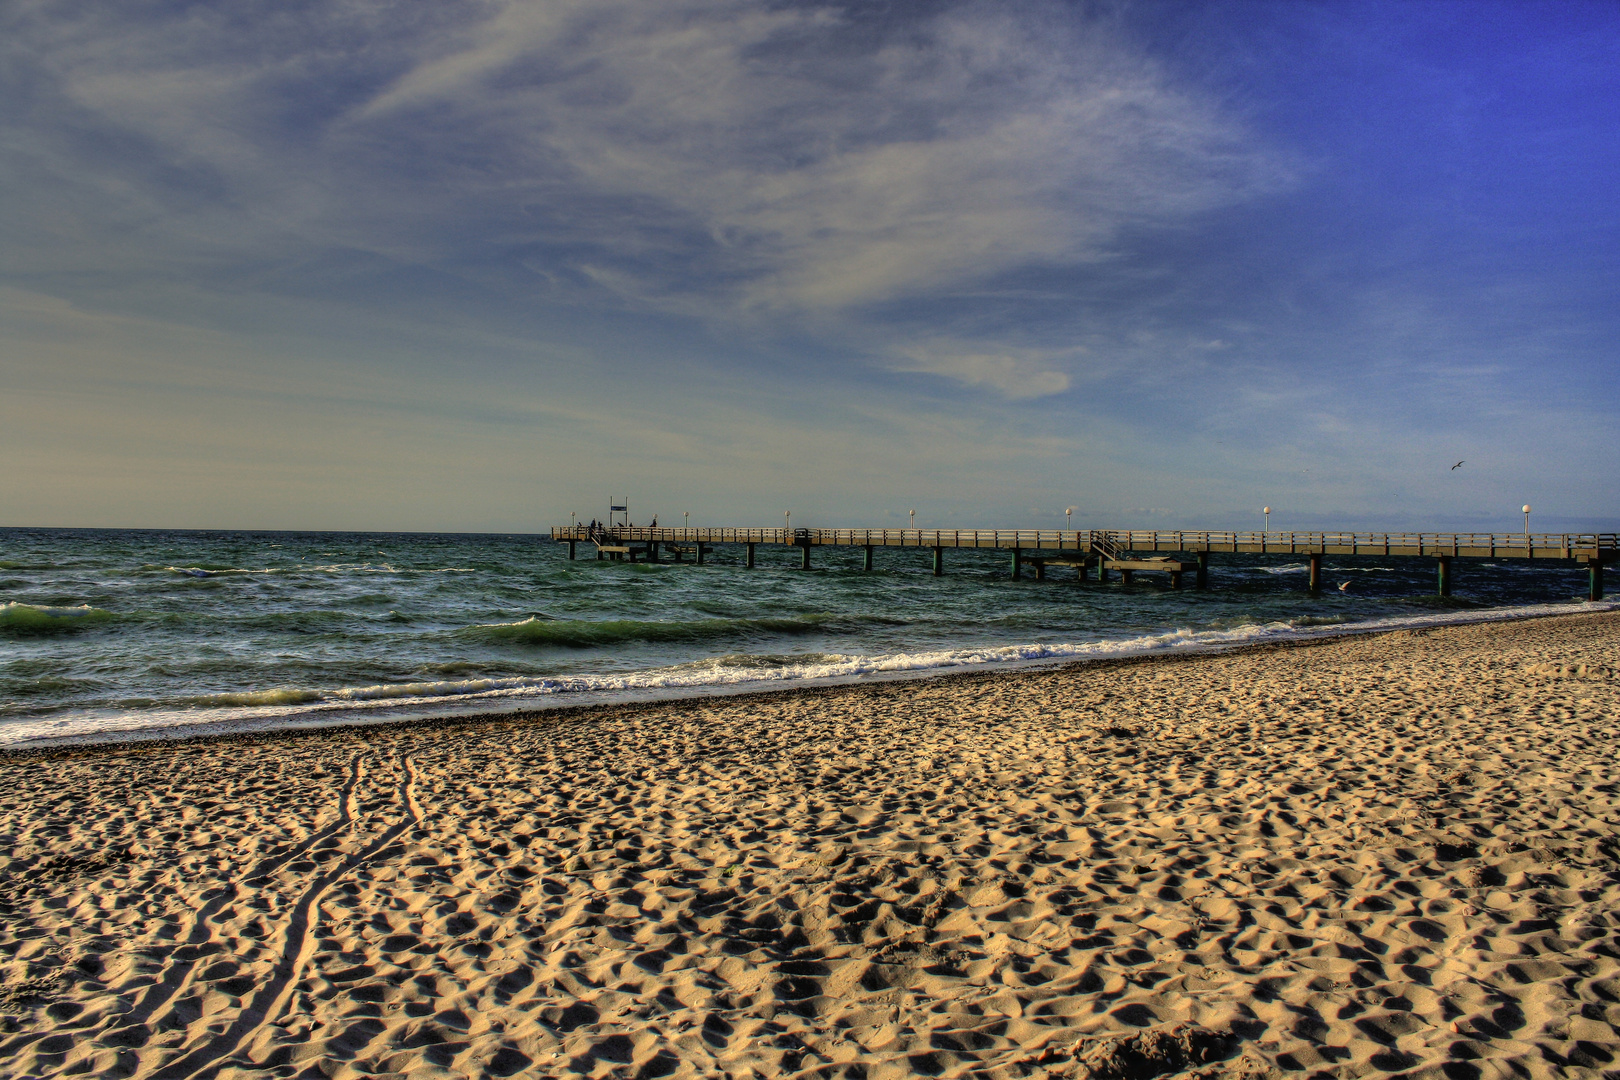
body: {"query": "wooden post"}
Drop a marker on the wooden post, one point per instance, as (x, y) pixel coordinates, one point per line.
(1102, 571)
(1018, 564)
(804, 556)
(700, 552)
(750, 563)
(1316, 574)
(939, 561)
(868, 563)
(1040, 569)
(1127, 576)
(571, 552)
(1202, 578)
(1175, 579)
(652, 551)
(1084, 569)
(598, 554)
(1594, 569)
(1445, 575)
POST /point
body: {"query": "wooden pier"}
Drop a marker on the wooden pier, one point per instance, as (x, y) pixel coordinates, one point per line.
(1127, 551)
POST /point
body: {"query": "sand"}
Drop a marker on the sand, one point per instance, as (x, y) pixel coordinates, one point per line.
(1383, 854)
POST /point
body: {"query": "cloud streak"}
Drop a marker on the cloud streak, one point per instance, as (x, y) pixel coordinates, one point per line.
(781, 165)
(788, 160)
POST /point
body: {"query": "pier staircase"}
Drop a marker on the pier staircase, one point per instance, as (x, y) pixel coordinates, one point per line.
(1112, 556)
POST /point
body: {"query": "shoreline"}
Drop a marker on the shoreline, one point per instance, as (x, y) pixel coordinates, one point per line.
(1380, 853)
(564, 709)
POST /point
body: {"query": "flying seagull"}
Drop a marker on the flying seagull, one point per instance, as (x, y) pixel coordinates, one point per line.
(1457, 466)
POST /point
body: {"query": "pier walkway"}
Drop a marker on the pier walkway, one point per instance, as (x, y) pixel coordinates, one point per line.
(1128, 551)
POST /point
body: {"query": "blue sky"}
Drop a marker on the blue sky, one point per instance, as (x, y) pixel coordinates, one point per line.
(474, 266)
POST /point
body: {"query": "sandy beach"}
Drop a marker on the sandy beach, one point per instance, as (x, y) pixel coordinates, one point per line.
(1397, 853)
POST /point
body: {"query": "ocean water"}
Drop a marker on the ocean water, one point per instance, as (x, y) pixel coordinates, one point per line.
(131, 634)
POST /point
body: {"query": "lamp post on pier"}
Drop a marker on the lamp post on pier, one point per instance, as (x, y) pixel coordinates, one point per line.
(1527, 525)
(1267, 512)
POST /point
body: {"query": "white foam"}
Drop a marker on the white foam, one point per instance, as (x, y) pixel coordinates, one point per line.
(322, 568)
(400, 700)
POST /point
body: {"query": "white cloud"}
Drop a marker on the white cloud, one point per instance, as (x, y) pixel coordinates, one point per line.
(1013, 373)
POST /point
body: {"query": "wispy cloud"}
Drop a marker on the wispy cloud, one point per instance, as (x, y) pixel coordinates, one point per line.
(794, 159)
(1013, 372)
(717, 158)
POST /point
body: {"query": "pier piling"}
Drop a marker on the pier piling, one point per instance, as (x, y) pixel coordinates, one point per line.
(1201, 578)
(939, 561)
(1445, 575)
(1017, 564)
(1316, 575)
(1594, 569)
(867, 565)
(804, 556)
(750, 562)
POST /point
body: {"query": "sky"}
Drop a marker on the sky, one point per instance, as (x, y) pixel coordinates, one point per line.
(475, 266)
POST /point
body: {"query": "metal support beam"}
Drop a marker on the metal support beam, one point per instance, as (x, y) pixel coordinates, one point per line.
(1316, 575)
(939, 561)
(868, 564)
(1018, 564)
(1594, 570)
(1445, 575)
(750, 562)
(1202, 578)
(804, 556)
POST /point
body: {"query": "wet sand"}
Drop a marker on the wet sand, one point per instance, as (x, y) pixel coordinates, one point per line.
(1397, 853)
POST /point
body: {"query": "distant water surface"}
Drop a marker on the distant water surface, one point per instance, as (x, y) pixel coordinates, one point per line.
(126, 634)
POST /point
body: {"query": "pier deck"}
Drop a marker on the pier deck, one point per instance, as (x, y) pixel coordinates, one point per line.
(1106, 546)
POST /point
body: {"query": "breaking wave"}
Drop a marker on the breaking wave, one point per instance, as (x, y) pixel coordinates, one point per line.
(249, 710)
(582, 633)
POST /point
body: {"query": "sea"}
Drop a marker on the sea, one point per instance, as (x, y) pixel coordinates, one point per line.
(119, 635)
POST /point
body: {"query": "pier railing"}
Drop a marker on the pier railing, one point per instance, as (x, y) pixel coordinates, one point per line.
(1584, 546)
